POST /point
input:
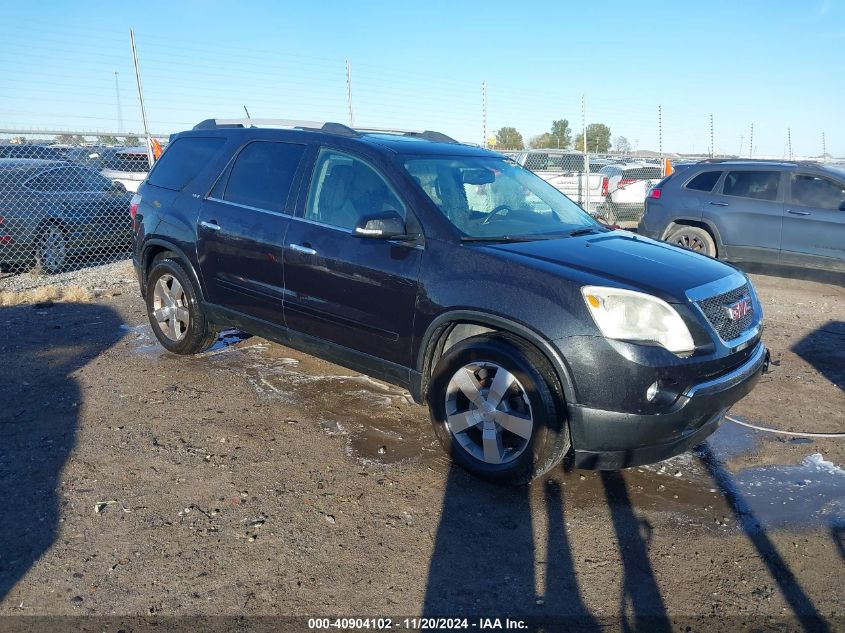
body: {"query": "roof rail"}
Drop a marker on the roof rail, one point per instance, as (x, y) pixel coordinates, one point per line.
(759, 160)
(324, 126)
(210, 124)
(429, 135)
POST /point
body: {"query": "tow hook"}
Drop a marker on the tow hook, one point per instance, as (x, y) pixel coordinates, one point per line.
(766, 362)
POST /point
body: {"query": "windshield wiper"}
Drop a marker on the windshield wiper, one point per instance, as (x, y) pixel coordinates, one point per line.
(502, 238)
(583, 231)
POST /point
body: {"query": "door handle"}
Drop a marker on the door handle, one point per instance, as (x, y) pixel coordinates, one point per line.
(718, 204)
(794, 212)
(210, 225)
(305, 250)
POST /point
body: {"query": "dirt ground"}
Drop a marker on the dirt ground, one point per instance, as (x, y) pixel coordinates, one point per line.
(253, 480)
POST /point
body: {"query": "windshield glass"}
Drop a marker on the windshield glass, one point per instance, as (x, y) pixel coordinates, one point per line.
(490, 197)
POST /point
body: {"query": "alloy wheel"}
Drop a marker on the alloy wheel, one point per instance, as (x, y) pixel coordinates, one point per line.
(170, 307)
(488, 412)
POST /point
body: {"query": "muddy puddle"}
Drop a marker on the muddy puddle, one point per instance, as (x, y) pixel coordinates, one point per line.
(381, 425)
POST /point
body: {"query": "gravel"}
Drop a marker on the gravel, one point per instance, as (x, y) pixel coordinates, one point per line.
(95, 279)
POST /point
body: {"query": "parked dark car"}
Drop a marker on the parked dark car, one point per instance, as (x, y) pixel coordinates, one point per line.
(766, 212)
(528, 328)
(52, 212)
(26, 150)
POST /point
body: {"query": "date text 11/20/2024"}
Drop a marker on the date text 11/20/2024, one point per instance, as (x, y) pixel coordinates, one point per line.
(416, 624)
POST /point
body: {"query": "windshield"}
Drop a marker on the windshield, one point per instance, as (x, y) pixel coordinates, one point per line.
(490, 197)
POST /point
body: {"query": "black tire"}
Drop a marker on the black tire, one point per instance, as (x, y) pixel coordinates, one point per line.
(51, 249)
(198, 335)
(537, 385)
(695, 239)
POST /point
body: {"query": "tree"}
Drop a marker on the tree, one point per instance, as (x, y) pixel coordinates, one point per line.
(107, 139)
(622, 145)
(561, 134)
(542, 141)
(509, 138)
(131, 140)
(598, 139)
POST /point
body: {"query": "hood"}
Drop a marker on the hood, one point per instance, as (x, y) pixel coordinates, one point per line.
(625, 259)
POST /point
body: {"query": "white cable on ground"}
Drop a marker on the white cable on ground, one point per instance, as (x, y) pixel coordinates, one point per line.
(767, 430)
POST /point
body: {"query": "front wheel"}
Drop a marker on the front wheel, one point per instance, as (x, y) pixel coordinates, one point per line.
(174, 310)
(497, 409)
(693, 238)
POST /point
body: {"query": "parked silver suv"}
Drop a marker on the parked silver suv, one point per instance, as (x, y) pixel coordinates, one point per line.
(768, 212)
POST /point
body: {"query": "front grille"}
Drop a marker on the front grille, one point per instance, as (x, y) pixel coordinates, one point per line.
(714, 309)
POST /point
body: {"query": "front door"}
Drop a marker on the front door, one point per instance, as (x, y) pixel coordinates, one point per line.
(241, 230)
(356, 292)
(813, 223)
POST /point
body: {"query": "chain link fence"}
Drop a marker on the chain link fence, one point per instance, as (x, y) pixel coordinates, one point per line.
(611, 188)
(64, 201)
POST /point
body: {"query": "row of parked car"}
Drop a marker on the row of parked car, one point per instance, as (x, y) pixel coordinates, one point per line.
(612, 189)
(126, 165)
(57, 205)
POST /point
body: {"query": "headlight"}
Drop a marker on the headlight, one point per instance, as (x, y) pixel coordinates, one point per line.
(635, 316)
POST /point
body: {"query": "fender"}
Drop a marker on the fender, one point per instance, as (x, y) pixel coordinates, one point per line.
(436, 327)
(180, 254)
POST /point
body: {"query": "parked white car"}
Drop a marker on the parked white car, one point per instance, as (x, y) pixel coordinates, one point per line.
(627, 188)
(127, 165)
(565, 171)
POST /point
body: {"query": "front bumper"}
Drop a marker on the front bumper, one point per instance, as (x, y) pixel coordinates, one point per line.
(608, 440)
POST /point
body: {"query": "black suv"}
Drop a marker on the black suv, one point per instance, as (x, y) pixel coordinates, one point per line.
(765, 212)
(528, 328)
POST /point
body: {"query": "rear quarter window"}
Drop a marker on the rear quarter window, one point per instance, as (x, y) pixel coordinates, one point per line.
(183, 160)
(705, 181)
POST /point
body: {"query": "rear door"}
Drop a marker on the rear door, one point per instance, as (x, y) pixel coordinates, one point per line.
(813, 223)
(241, 229)
(356, 292)
(747, 210)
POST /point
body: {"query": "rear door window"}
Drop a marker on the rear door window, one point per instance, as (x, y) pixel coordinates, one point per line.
(263, 174)
(814, 191)
(705, 181)
(183, 160)
(759, 185)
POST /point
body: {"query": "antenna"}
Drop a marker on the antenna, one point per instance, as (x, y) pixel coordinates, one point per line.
(247, 113)
(119, 109)
(789, 141)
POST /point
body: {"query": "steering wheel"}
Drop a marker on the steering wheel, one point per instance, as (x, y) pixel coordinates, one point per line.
(495, 212)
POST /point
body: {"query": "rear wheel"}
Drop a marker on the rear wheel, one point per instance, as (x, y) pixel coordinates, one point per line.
(51, 249)
(174, 310)
(693, 238)
(496, 408)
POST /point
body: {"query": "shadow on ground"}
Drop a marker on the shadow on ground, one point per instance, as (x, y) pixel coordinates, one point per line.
(487, 562)
(41, 350)
(824, 349)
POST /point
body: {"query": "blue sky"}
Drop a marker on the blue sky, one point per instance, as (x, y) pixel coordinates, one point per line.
(775, 64)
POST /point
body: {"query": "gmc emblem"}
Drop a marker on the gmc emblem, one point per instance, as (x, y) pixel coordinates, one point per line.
(741, 308)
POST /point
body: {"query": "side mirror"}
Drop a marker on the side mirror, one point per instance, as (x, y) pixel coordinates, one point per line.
(381, 226)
